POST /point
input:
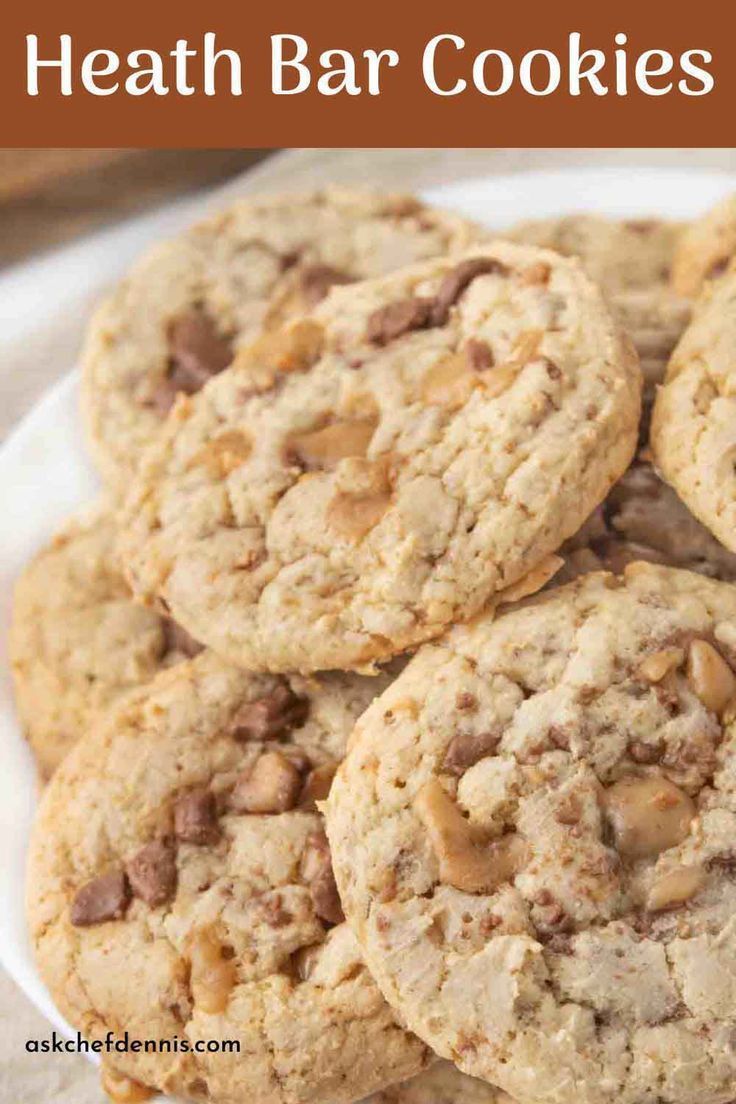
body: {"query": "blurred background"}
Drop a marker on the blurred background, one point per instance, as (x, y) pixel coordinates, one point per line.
(48, 196)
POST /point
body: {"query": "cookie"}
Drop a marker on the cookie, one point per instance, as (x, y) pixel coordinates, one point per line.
(705, 249)
(192, 303)
(180, 886)
(77, 639)
(442, 1083)
(378, 470)
(692, 433)
(533, 838)
(643, 519)
(621, 255)
(631, 260)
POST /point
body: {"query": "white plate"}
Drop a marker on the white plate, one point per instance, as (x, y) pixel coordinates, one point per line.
(45, 476)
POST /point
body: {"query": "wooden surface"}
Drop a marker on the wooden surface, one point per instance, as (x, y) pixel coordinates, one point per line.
(48, 197)
(28, 370)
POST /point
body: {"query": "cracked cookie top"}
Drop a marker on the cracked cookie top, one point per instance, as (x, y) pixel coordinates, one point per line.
(188, 307)
(77, 639)
(533, 837)
(692, 433)
(180, 886)
(379, 469)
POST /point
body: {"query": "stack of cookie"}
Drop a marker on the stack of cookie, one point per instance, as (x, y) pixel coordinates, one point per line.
(372, 739)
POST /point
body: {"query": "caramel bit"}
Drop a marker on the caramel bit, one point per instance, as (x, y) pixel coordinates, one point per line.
(457, 280)
(104, 898)
(295, 348)
(500, 379)
(674, 888)
(195, 817)
(323, 448)
(655, 666)
(152, 872)
(224, 454)
(467, 861)
(212, 974)
(388, 323)
(316, 870)
(449, 382)
(121, 1089)
(352, 514)
(272, 785)
(710, 677)
(648, 815)
(525, 349)
(466, 749)
(537, 273)
(270, 717)
(317, 785)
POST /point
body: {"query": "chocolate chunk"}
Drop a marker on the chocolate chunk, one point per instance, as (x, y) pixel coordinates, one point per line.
(479, 355)
(316, 280)
(289, 259)
(195, 817)
(197, 352)
(152, 872)
(177, 639)
(399, 318)
(104, 898)
(271, 716)
(466, 749)
(456, 281)
(317, 872)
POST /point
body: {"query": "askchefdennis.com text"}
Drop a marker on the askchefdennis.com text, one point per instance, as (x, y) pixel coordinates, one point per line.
(124, 1044)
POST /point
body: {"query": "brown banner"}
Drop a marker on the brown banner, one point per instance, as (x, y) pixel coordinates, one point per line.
(386, 72)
